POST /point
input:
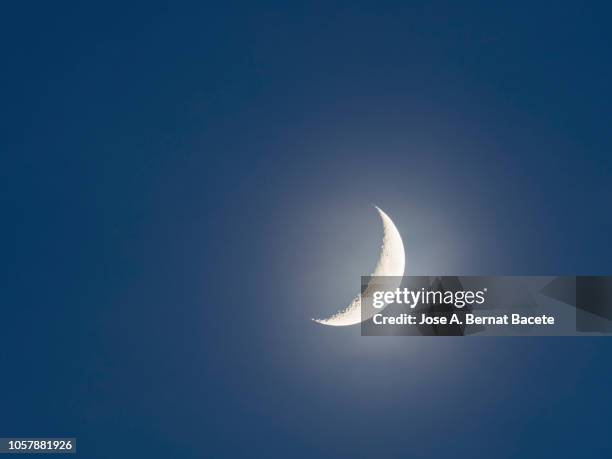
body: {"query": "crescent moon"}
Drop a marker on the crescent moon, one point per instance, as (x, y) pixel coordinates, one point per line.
(391, 262)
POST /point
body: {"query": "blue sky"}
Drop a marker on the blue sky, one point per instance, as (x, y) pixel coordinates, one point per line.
(184, 185)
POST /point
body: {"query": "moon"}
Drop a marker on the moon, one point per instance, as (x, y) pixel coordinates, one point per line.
(391, 262)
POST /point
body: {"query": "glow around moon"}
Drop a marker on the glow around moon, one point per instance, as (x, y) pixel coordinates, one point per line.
(391, 262)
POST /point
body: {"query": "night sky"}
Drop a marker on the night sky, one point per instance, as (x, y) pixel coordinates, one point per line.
(185, 185)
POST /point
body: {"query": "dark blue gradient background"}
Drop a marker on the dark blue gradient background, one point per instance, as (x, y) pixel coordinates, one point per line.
(184, 185)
